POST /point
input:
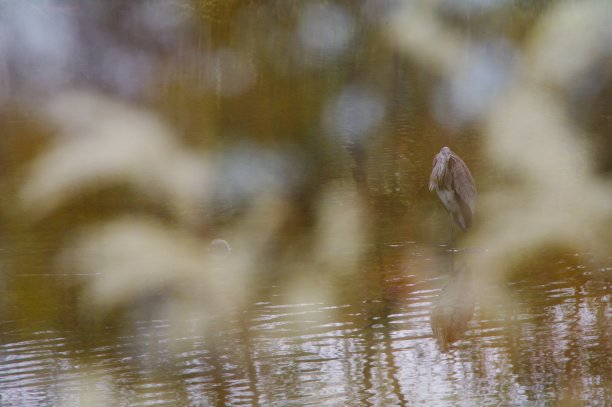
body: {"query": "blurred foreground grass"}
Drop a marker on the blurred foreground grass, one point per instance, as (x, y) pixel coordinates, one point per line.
(300, 134)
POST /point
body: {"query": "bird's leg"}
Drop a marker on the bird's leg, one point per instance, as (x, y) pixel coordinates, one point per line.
(452, 232)
(452, 248)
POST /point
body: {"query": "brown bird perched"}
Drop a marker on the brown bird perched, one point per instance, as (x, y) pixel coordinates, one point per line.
(455, 186)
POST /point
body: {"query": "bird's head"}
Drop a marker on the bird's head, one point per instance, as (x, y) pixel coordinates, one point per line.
(446, 153)
(439, 167)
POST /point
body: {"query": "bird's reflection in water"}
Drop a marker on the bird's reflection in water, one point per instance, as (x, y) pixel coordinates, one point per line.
(454, 308)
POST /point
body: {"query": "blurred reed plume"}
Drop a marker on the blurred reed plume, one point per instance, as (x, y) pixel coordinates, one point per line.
(547, 190)
(137, 257)
(102, 141)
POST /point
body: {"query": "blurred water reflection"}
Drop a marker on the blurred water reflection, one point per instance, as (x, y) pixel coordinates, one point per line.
(368, 352)
(214, 202)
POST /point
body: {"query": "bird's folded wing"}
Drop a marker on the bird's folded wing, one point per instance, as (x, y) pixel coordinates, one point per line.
(463, 183)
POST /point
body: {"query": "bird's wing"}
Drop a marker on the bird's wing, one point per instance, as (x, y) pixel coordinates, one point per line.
(462, 180)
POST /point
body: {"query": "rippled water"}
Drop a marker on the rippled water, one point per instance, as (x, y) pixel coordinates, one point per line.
(303, 133)
(420, 338)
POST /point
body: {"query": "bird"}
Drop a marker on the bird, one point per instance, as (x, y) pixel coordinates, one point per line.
(452, 180)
